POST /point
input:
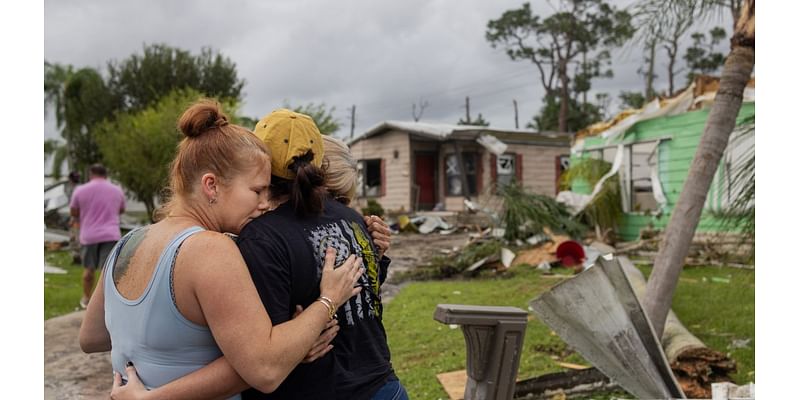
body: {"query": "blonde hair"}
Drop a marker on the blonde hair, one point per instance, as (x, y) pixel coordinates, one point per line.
(341, 169)
(211, 144)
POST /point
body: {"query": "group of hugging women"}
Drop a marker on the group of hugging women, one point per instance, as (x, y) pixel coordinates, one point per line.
(256, 281)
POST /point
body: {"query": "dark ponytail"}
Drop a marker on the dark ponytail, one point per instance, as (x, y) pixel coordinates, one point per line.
(307, 190)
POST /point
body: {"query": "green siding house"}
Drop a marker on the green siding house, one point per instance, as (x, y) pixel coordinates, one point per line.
(653, 157)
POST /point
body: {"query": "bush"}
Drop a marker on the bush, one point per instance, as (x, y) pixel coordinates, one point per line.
(373, 208)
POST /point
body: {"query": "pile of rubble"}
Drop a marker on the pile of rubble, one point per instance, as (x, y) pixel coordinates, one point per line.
(486, 249)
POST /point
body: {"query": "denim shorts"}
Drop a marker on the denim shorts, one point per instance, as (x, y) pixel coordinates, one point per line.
(392, 390)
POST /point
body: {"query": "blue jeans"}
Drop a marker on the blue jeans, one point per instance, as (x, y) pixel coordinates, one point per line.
(392, 390)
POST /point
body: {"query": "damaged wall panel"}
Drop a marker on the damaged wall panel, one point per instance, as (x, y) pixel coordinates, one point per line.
(598, 314)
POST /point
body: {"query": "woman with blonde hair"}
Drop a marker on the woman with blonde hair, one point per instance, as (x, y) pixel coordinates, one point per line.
(176, 295)
(341, 178)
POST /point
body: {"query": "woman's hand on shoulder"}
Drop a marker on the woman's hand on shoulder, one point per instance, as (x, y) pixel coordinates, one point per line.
(381, 234)
(339, 284)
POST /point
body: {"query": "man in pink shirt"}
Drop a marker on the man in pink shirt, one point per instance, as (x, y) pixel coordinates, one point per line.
(97, 204)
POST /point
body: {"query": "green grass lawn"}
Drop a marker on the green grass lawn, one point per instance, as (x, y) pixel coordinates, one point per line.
(62, 292)
(717, 313)
(720, 314)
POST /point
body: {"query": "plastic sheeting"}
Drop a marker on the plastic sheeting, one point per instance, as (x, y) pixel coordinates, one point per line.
(577, 202)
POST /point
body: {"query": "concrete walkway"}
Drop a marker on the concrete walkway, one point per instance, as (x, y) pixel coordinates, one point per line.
(69, 373)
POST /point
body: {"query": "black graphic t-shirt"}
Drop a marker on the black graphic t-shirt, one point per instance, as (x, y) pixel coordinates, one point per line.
(285, 255)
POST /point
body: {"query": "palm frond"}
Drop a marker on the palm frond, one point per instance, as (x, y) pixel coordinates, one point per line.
(526, 214)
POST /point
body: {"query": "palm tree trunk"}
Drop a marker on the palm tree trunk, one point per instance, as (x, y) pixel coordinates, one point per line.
(686, 215)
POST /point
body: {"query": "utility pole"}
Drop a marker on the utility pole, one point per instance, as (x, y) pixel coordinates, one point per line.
(469, 120)
(352, 120)
(516, 115)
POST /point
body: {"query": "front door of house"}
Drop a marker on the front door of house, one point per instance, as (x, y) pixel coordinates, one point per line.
(425, 180)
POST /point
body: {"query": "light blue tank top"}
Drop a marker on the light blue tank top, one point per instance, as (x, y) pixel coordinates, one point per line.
(150, 331)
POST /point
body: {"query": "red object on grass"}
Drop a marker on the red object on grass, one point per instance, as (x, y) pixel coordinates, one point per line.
(570, 253)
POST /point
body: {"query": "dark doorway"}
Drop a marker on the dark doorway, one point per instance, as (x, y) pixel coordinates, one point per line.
(425, 180)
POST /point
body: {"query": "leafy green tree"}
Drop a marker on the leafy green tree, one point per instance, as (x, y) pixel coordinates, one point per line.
(56, 77)
(476, 122)
(143, 79)
(247, 122)
(138, 146)
(634, 100)
(83, 99)
(701, 58)
(321, 114)
(54, 148)
(80, 100)
(87, 103)
(580, 115)
(580, 32)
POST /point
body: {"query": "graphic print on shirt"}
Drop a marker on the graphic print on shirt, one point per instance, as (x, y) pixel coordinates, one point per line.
(349, 238)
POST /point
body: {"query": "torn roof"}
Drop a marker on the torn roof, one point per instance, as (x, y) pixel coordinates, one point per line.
(699, 94)
(441, 132)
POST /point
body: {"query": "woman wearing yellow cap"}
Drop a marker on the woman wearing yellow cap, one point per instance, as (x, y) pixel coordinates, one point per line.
(284, 250)
(279, 246)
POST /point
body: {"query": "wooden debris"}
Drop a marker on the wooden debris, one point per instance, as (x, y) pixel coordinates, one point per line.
(572, 366)
(533, 257)
(454, 383)
(548, 386)
(569, 383)
(477, 264)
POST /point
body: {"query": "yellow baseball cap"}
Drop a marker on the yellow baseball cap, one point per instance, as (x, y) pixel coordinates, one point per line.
(289, 134)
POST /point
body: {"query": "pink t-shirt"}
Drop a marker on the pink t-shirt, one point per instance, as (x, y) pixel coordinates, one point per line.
(99, 203)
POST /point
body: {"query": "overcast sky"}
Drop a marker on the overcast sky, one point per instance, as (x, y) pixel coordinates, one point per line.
(382, 56)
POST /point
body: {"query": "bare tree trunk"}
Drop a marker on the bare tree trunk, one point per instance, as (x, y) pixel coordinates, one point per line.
(564, 111)
(686, 215)
(584, 71)
(672, 54)
(650, 93)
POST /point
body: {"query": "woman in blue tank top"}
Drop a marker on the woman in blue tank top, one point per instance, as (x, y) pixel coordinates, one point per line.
(176, 295)
(280, 249)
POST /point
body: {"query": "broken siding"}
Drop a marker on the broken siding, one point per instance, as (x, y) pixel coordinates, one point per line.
(681, 134)
(539, 166)
(397, 182)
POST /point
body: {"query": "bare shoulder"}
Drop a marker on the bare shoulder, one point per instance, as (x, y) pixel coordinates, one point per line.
(209, 249)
